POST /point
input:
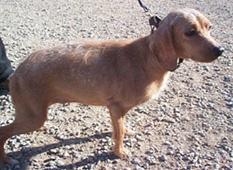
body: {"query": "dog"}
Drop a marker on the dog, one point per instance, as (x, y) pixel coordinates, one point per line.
(5, 68)
(117, 74)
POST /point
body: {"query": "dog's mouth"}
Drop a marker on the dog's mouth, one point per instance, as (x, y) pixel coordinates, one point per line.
(210, 56)
(204, 59)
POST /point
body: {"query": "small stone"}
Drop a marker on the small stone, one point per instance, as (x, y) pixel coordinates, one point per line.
(206, 68)
(167, 143)
(139, 168)
(53, 151)
(186, 157)
(127, 169)
(231, 154)
(139, 137)
(170, 152)
(227, 79)
(135, 161)
(66, 154)
(162, 158)
(60, 163)
(151, 160)
(195, 159)
(216, 166)
(211, 105)
(225, 147)
(231, 121)
(128, 144)
(150, 152)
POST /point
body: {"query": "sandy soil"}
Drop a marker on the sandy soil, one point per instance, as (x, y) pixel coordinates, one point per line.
(190, 126)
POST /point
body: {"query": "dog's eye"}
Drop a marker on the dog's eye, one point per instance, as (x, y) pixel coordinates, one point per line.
(190, 32)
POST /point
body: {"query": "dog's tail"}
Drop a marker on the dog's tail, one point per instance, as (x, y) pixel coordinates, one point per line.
(6, 69)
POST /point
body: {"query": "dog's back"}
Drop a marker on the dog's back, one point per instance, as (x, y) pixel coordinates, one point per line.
(89, 73)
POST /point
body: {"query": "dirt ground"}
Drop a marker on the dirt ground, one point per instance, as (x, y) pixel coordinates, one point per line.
(190, 125)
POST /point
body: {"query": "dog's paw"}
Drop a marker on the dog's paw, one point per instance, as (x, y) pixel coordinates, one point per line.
(120, 152)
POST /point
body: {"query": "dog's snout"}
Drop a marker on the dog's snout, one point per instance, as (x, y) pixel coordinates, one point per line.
(218, 51)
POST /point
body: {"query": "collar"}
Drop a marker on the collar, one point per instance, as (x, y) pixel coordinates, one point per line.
(180, 61)
(154, 22)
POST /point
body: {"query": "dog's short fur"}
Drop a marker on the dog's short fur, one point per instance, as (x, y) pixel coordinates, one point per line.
(116, 74)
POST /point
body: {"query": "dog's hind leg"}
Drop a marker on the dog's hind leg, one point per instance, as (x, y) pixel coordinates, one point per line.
(27, 119)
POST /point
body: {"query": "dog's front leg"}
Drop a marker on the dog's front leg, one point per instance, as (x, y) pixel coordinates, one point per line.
(118, 115)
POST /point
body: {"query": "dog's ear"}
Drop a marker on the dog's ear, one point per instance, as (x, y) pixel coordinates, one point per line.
(163, 45)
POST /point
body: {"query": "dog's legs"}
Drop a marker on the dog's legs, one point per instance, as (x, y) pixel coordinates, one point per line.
(26, 120)
(118, 121)
(129, 132)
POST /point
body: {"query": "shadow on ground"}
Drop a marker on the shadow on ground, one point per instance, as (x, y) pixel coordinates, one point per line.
(89, 160)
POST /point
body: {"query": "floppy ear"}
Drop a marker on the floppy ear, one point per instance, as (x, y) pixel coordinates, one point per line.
(163, 45)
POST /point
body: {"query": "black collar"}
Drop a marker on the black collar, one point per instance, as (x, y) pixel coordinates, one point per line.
(180, 61)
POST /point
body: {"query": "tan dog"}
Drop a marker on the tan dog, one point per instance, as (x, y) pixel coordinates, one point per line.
(116, 74)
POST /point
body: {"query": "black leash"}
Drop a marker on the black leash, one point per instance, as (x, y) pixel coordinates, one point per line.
(153, 20)
(154, 23)
(143, 6)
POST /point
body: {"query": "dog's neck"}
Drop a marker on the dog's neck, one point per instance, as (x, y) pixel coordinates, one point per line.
(146, 59)
(153, 62)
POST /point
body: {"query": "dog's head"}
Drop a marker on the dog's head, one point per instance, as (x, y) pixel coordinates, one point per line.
(184, 33)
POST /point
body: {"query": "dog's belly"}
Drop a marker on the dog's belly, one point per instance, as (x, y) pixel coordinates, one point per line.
(86, 101)
(77, 92)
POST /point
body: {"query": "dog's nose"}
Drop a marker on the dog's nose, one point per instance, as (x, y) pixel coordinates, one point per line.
(218, 51)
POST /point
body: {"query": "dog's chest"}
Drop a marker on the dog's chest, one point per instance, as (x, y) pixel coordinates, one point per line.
(155, 88)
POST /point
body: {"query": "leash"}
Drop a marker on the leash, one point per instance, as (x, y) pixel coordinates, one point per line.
(143, 6)
(154, 23)
(153, 20)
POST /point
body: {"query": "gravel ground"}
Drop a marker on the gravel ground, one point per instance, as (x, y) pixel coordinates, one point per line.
(190, 126)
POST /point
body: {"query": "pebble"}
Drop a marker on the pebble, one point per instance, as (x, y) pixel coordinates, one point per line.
(127, 169)
(206, 68)
(139, 137)
(60, 163)
(216, 166)
(54, 151)
(227, 79)
(149, 152)
(231, 154)
(151, 160)
(162, 158)
(139, 167)
(136, 161)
